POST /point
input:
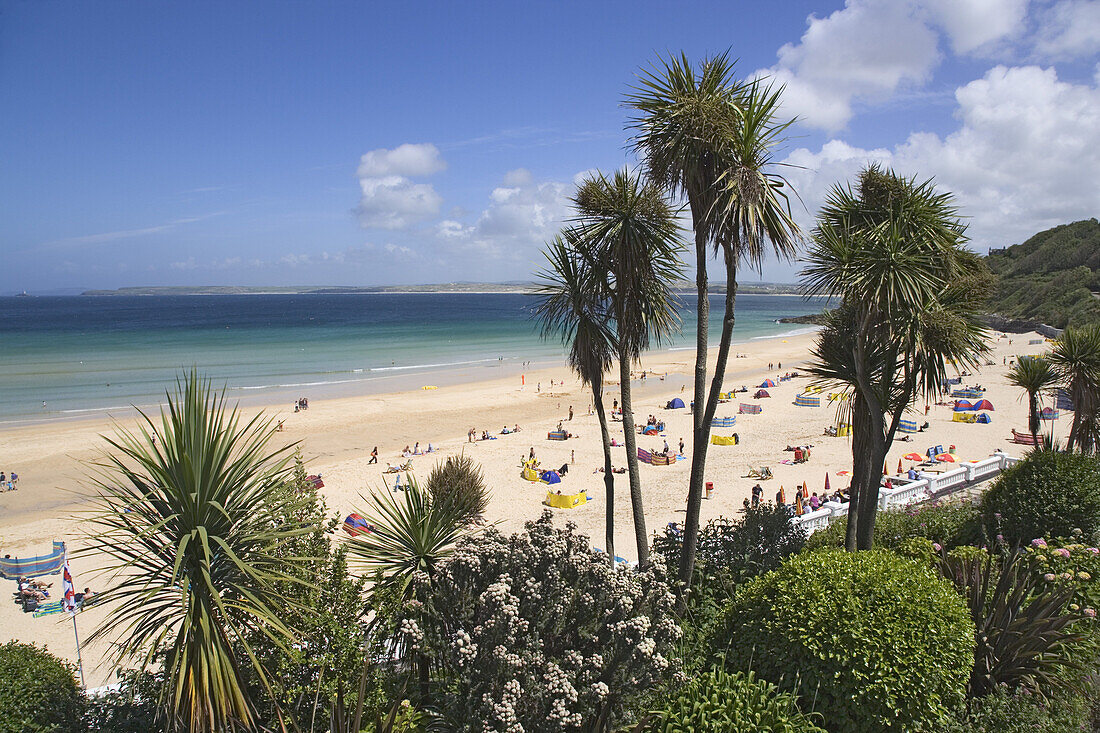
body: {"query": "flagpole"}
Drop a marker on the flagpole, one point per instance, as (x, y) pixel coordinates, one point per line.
(79, 659)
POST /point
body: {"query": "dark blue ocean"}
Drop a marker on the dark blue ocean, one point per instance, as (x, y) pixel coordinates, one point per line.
(88, 354)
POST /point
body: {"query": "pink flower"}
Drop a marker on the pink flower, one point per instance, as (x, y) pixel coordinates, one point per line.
(1093, 550)
(937, 546)
(1049, 577)
(1090, 612)
(1040, 542)
(1062, 551)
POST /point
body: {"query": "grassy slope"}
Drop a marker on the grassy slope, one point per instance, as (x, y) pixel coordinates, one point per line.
(1051, 277)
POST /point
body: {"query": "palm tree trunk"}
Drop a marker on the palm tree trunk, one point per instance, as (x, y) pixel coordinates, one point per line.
(1033, 416)
(609, 475)
(632, 460)
(861, 466)
(700, 426)
(869, 490)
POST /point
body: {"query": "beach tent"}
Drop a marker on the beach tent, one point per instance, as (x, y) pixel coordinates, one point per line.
(1048, 414)
(531, 474)
(354, 525)
(675, 403)
(723, 422)
(550, 477)
(767, 383)
(907, 426)
(961, 405)
(14, 568)
(650, 430)
(984, 418)
(804, 400)
(745, 409)
(963, 417)
(723, 440)
(565, 501)
(761, 393)
(982, 405)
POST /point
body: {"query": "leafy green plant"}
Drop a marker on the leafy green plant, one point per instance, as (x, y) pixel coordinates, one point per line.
(1024, 631)
(1048, 494)
(947, 524)
(875, 642)
(38, 693)
(128, 706)
(719, 701)
(459, 481)
(1021, 711)
(190, 517)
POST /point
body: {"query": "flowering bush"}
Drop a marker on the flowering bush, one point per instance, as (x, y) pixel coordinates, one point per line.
(1047, 494)
(876, 641)
(536, 632)
(1060, 562)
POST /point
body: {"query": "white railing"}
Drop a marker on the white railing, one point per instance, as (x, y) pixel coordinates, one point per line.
(914, 491)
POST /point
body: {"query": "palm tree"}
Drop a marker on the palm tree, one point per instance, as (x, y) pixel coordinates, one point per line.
(1076, 357)
(190, 513)
(1034, 375)
(710, 139)
(571, 308)
(893, 250)
(628, 233)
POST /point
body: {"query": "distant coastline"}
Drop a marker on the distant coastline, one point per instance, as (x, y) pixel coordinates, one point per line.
(457, 287)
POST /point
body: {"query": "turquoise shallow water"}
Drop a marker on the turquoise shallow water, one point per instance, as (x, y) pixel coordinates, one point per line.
(88, 354)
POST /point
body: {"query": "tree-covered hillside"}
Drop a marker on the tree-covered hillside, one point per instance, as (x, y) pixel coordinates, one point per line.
(1054, 277)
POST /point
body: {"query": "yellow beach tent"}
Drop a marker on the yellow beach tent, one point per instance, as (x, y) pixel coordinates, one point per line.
(565, 501)
(723, 440)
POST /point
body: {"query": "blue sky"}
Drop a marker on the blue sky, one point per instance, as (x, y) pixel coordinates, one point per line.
(360, 143)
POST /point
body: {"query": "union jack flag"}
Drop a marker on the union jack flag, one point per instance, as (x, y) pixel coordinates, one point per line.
(68, 599)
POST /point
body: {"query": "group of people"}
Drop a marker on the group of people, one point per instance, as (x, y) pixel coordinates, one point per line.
(801, 452)
(9, 483)
(801, 502)
(414, 451)
(301, 404)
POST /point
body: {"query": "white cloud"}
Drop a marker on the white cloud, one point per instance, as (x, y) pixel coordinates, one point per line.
(389, 199)
(1069, 29)
(518, 177)
(1023, 159)
(972, 24)
(870, 50)
(409, 160)
(865, 51)
(395, 202)
(519, 219)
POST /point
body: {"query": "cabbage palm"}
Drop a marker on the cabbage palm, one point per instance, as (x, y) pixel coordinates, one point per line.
(571, 308)
(190, 516)
(710, 139)
(1034, 375)
(893, 251)
(628, 233)
(1076, 357)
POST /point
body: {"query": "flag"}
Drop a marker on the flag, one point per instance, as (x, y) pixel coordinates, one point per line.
(68, 599)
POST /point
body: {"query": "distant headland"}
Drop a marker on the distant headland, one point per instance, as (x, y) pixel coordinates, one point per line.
(455, 287)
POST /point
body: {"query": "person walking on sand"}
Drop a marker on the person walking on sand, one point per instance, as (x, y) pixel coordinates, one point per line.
(572, 456)
(571, 412)
(531, 455)
(373, 456)
(681, 446)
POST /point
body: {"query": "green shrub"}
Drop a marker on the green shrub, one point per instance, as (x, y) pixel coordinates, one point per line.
(38, 693)
(1022, 712)
(1048, 494)
(879, 642)
(719, 701)
(949, 525)
(459, 481)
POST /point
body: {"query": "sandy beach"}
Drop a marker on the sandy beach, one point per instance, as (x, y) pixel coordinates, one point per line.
(336, 436)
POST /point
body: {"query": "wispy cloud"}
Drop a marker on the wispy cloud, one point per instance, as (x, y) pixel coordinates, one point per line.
(531, 137)
(104, 237)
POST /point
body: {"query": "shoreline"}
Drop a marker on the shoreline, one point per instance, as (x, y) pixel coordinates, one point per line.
(337, 434)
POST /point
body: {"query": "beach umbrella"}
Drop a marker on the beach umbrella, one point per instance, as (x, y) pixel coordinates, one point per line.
(842, 473)
(946, 457)
(827, 489)
(899, 465)
(885, 470)
(782, 496)
(914, 457)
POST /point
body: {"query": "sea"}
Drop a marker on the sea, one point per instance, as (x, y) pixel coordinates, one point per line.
(68, 357)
